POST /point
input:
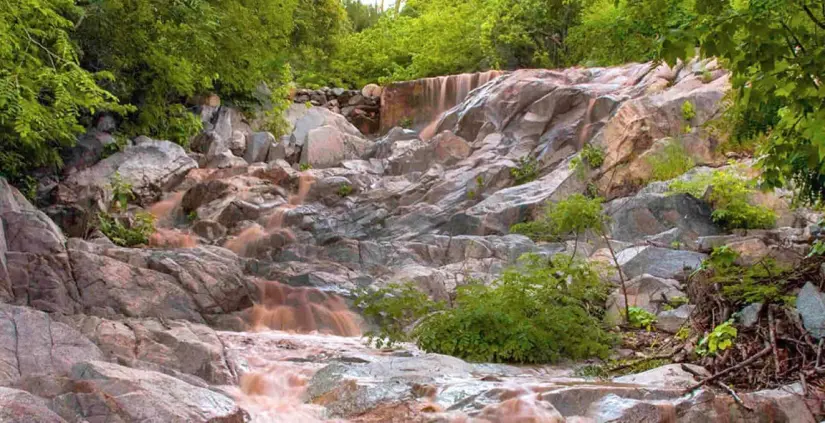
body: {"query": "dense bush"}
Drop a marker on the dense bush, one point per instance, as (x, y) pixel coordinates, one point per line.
(541, 311)
(759, 283)
(135, 231)
(729, 193)
(393, 310)
(544, 311)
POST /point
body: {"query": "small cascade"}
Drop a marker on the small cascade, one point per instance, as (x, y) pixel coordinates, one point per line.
(424, 100)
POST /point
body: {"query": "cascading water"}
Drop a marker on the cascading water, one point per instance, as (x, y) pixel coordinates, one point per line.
(425, 100)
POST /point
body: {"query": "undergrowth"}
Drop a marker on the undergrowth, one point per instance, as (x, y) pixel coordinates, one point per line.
(670, 162)
(729, 194)
(541, 311)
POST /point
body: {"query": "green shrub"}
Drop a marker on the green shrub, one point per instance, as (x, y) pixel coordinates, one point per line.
(406, 122)
(117, 146)
(573, 215)
(121, 192)
(305, 166)
(392, 310)
(136, 232)
(729, 196)
(540, 312)
(344, 190)
(669, 162)
(688, 111)
(640, 318)
(720, 339)
(526, 170)
(593, 156)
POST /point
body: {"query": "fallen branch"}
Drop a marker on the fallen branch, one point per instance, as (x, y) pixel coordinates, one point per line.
(733, 394)
(716, 376)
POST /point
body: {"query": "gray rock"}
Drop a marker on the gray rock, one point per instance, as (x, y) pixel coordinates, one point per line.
(661, 262)
(257, 147)
(506, 207)
(668, 376)
(672, 320)
(635, 217)
(151, 167)
(180, 346)
(810, 303)
(645, 291)
(749, 316)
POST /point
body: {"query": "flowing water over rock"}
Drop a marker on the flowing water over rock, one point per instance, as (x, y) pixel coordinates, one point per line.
(238, 305)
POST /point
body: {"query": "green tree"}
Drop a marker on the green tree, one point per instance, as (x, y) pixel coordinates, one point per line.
(616, 32)
(44, 92)
(164, 52)
(774, 50)
(529, 33)
(319, 27)
(361, 16)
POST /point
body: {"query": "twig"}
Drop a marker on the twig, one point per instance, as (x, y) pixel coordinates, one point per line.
(772, 334)
(733, 394)
(765, 351)
(819, 352)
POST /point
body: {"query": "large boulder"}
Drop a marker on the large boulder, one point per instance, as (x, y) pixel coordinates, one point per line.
(506, 207)
(174, 345)
(150, 167)
(647, 292)
(319, 138)
(109, 287)
(659, 262)
(633, 218)
(108, 392)
(810, 303)
(34, 265)
(32, 344)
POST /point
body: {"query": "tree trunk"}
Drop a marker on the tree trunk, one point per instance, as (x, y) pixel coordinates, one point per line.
(397, 6)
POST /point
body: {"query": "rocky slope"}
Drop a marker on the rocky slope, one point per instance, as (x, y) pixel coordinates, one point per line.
(100, 333)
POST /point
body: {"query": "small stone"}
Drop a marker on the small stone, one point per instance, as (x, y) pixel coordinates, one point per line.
(810, 303)
(672, 320)
(750, 315)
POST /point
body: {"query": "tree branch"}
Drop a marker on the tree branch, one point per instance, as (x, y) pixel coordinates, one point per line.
(811, 15)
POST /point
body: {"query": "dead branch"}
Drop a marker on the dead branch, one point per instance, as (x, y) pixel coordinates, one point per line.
(716, 376)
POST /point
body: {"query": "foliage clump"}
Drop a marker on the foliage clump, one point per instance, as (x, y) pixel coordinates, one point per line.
(541, 311)
(573, 215)
(526, 170)
(640, 318)
(125, 231)
(136, 230)
(729, 193)
(669, 162)
(345, 190)
(393, 310)
(44, 91)
(719, 339)
(757, 283)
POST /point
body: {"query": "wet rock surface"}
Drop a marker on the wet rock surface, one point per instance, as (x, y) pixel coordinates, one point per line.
(95, 332)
